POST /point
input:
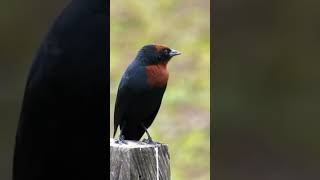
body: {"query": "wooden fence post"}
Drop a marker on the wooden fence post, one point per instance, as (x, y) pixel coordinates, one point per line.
(139, 161)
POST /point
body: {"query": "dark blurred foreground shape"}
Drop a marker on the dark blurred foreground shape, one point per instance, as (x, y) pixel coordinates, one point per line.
(63, 124)
(266, 90)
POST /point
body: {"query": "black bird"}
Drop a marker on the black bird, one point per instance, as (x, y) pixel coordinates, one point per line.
(62, 132)
(140, 92)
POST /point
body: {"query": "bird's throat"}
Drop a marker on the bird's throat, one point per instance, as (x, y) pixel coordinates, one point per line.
(157, 75)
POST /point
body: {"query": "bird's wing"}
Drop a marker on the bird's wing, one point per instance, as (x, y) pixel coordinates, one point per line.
(152, 116)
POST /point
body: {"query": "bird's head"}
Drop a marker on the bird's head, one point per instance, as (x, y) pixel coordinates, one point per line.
(156, 54)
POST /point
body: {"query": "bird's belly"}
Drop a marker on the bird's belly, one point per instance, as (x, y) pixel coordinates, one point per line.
(145, 105)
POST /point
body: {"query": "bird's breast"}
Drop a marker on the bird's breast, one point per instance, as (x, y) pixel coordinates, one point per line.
(157, 75)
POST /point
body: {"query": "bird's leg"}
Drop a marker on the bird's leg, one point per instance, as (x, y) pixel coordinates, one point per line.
(149, 140)
(121, 138)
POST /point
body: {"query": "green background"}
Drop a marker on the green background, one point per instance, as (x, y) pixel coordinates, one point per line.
(183, 119)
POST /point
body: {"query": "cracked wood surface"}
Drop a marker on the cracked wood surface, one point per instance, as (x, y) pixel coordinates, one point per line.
(137, 161)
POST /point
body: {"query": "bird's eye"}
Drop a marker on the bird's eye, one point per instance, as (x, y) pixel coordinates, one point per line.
(166, 51)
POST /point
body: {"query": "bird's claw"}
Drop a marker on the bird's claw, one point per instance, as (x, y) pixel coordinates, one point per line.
(149, 141)
(120, 140)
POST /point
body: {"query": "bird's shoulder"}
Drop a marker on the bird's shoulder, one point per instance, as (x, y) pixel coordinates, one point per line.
(134, 78)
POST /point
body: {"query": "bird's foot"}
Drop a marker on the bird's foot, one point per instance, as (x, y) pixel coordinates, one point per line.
(120, 140)
(149, 141)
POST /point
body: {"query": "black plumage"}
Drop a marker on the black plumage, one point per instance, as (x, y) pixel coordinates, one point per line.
(141, 90)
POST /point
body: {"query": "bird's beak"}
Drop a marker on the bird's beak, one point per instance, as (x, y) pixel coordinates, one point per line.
(174, 53)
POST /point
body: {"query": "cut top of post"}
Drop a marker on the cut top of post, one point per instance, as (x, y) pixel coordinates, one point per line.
(134, 144)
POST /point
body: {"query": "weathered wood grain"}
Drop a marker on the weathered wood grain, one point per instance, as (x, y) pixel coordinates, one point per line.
(137, 161)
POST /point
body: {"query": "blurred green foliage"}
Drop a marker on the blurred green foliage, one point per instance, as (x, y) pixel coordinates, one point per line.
(183, 120)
